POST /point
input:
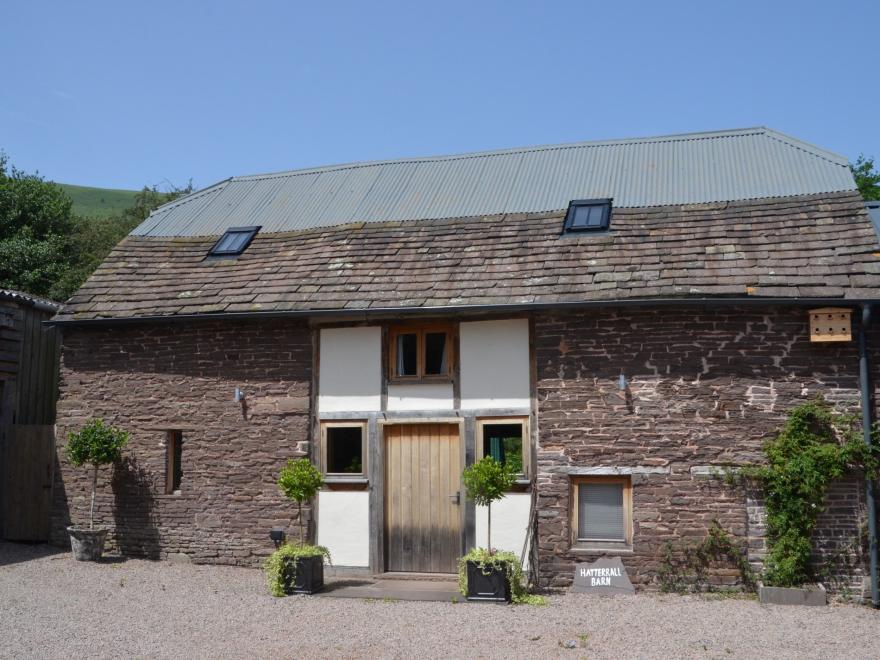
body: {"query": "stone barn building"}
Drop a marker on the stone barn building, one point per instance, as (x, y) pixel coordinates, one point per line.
(618, 320)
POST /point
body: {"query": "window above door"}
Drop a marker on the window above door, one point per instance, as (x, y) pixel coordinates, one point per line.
(420, 353)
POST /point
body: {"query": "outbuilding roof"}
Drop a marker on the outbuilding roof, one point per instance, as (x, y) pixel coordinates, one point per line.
(694, 168)
(29, 300)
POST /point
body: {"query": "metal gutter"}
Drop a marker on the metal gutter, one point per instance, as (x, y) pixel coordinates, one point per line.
(365, 314)
(867, 395)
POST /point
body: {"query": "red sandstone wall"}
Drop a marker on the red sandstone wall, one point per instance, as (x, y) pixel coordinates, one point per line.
(147, 379)
(705, 388)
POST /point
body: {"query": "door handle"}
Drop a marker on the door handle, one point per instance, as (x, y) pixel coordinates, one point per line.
(456, 497)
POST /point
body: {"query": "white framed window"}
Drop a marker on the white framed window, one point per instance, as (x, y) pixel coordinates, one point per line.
(344, 449)
(506, 439)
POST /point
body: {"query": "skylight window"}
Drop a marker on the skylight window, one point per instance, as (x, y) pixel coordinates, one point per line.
(234, 241)
(588, 215)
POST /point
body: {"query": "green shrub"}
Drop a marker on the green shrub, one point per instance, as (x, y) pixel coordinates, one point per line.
(485, 482)
(815, 447)
(688, 568)
(95, 444)
(280, 566)
(299, 480)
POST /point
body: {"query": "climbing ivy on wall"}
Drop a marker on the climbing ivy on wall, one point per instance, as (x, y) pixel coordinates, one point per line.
(815, 447)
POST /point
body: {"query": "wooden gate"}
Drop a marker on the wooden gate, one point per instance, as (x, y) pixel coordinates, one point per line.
(28, 453)
(422, 498)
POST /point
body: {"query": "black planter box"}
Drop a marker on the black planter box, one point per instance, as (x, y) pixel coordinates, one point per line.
(487, 583)
(303, 575)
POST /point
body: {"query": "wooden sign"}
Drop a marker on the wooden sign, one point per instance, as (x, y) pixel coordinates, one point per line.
(830, 324)
(606, 575)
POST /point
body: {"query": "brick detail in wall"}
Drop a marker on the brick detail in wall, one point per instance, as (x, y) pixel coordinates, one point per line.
(705, 388)
(146, 379)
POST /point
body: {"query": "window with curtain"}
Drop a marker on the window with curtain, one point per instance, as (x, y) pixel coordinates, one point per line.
(505, 440)
(420, 352)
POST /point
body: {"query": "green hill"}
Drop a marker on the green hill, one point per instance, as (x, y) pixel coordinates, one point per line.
(98, 202)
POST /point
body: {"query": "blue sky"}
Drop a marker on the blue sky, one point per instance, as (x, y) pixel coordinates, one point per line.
(122, 94)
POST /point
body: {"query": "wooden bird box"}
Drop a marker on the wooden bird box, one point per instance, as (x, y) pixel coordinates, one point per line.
(831, 324)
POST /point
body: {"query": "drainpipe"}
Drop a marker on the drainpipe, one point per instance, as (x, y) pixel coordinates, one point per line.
(867, 391)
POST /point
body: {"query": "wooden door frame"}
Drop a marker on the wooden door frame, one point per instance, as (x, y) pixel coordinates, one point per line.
(378, 493)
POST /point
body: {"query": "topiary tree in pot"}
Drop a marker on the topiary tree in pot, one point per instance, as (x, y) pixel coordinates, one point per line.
(299, 568)
(96, 444)
(485, 573)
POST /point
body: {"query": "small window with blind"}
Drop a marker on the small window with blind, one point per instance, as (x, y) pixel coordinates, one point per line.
(601, 511)
(420, 353)
(505, 440)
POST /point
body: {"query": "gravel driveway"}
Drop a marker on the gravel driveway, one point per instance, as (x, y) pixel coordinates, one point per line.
(52, 606)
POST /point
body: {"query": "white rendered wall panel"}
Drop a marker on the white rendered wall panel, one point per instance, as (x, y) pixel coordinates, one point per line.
(495, 364)
(420, 396)
(510, 516)
(344, 526)
(350, 378)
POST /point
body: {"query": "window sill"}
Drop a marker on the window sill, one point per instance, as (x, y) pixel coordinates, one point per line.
(601, 549)
(346, 483)
(334, 479)
(427, 380)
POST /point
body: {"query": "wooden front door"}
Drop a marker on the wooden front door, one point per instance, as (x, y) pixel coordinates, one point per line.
(27, 482)
(422, 498)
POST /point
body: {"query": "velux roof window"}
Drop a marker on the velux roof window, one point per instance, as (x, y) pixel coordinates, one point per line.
(234, 241)
(588, 215)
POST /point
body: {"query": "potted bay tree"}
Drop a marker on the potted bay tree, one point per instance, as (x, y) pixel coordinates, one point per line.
(96, 444)
(297, 568)
(485, 573)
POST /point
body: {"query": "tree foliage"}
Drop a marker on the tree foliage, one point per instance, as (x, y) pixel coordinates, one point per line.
(35, 221)
(867, 178)
(487, 480)
(46, 249)
(96, 444)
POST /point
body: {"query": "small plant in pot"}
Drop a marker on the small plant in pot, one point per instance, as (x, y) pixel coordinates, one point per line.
(96, 444)
(297, 568)
(484, 573)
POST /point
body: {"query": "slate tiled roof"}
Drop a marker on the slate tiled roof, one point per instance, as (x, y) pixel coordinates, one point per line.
(794, 247)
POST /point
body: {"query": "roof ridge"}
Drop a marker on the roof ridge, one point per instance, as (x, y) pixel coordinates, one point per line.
(675, 137)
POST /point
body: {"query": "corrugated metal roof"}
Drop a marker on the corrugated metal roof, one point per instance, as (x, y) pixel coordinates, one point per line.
(694, 168)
